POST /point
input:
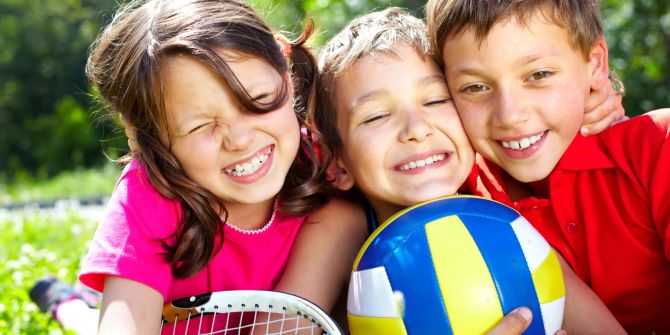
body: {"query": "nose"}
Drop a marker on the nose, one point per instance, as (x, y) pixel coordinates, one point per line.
(511, 110)
(416, 126)
(238, 135)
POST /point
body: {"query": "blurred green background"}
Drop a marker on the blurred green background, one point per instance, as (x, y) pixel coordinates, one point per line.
(55, 144)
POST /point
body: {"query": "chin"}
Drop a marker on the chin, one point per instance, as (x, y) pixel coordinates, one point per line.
(529, 176)
(436, 192)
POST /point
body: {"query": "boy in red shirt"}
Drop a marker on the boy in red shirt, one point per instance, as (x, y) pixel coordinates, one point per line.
(603, 201)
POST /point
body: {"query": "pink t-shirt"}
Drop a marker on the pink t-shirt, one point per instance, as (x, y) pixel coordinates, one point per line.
(128, 244)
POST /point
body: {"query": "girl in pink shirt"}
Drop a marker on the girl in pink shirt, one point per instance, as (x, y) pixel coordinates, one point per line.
(223, 184)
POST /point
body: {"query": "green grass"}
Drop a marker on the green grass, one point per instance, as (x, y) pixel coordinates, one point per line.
(74, 184)
(34, 244)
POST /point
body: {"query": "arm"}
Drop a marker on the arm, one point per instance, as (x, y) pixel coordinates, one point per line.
(584, 312)
(322, 257)
(127, 307)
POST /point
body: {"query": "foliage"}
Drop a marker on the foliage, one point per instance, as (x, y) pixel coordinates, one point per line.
(330, 16)
(32, 247)
(46, 126)
(638, 35)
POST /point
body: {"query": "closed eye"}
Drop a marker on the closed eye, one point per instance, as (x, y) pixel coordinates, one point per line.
(375, 117)
(264, 98)
(437, 102)
(199, 127)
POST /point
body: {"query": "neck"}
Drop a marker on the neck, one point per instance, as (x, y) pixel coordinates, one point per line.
(517, 190)
(384, 211)
(250, 216)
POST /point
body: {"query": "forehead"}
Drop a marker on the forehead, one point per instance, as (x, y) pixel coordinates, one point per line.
(538, 36)
(385, 72)
(249, 70)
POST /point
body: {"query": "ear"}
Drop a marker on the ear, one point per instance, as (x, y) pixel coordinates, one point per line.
(339, 175)
(598, 64)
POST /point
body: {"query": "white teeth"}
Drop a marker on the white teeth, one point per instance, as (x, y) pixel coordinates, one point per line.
(524, 143)
(422, 162)
(249, 167)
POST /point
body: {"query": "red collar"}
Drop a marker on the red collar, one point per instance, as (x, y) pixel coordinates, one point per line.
(585, 153)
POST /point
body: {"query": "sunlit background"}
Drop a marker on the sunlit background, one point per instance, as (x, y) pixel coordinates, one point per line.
(55, 144)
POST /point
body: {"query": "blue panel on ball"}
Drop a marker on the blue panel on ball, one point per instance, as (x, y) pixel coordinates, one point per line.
(507, 264)
(392, 235)
(411, 272)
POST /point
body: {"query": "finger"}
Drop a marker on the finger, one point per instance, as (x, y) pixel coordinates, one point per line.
(603, 108)
(604, 116)
(599, 126)
(598, 97)
(513, 323)
(621, 119)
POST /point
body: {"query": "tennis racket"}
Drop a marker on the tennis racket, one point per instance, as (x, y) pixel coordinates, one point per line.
(248, 312)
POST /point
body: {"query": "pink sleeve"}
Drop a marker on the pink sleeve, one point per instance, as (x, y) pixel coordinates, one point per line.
(127, 242)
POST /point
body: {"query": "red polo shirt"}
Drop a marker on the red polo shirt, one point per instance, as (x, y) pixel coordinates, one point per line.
(608, 215)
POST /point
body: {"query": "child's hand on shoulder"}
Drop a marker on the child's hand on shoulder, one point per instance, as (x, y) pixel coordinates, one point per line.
(603, 108)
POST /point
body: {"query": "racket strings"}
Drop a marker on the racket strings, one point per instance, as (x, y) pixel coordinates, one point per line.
(246, 322)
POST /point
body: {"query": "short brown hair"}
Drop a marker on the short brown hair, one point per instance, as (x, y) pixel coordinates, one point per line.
(377, 32)
(447, 18)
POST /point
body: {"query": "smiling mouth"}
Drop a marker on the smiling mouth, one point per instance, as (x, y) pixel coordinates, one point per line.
(250, 166)
(423, 162)
(522, 143)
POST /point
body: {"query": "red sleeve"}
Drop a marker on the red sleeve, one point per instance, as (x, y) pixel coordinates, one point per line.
(647, 147)
(659, 181)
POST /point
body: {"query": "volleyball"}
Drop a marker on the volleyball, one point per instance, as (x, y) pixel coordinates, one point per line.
(454, 265)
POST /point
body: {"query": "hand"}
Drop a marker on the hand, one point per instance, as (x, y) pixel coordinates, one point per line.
(515, 323)
(131, 133)
(603, 108)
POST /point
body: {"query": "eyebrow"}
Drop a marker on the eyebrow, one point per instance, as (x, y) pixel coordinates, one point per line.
(473, 70)
(368, 96)
(371, 95)
(434, 78)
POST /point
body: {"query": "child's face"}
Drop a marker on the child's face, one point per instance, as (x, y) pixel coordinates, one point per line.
(402, 140)
(520, 93)
(239, 156)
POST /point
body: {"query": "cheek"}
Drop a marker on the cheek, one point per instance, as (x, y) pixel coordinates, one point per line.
(472, 125)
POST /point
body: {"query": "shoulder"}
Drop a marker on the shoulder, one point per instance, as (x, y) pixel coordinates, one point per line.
(639, 138)
(651, 127)
(340, 214)
(338, 207)
(135, 202)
